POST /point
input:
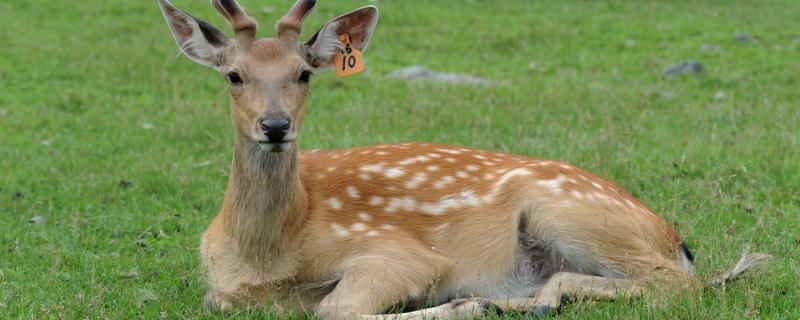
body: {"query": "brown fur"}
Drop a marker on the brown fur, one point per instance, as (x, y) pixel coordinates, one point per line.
(352, 233)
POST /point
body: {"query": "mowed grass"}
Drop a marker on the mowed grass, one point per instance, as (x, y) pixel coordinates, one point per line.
(123, 146)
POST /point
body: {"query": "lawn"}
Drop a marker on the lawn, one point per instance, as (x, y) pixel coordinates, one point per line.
(123, 146)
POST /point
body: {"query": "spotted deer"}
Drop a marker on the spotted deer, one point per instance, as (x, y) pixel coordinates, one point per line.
(357, 233)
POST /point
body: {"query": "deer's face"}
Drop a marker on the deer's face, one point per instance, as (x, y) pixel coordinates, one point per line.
(268, 78)
(268, 87)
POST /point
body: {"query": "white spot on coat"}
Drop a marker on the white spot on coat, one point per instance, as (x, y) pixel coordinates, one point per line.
(339, 230)
(554, 185)
(444, 182)
(352, 192)
(406, 203)
(335, 203)
(450, 151)
(375, 200)
(416, 180)
(364, 216)
(394, 173)
(466, 198)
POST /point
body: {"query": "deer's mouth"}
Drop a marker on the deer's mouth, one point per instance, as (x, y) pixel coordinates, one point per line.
(275, 146)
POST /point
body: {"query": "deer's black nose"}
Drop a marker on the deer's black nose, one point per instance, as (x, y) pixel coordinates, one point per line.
(275, 129)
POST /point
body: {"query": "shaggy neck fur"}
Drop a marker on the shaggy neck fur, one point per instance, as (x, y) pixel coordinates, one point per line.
(265, 201)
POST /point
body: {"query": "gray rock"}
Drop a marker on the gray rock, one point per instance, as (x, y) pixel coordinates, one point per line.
(666, 95)
(709, 47)
(420, 73)
(688, 67)
(37, 220)
(745, 37)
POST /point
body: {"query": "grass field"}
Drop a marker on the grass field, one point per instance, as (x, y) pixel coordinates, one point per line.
(123, 146)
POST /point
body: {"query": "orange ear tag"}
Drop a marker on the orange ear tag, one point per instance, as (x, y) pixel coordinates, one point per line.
(348, 61)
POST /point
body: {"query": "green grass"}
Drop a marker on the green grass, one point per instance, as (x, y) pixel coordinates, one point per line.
(125, 205)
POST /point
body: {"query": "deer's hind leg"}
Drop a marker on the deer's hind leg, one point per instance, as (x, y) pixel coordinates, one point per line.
(569, 285)
(558, 287)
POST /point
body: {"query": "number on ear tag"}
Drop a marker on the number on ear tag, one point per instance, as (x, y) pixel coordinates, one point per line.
(348, 61)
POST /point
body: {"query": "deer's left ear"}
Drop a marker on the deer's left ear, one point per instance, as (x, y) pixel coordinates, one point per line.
(325, 44)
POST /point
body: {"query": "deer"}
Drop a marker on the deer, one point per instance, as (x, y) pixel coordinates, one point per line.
(409, 230)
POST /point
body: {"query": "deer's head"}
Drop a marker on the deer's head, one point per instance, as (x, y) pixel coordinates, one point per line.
(269, 78)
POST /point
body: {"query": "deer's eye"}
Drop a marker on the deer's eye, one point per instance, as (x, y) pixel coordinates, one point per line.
(305, 76)
(234, 78)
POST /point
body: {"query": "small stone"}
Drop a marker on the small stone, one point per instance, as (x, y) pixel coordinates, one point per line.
(3, 112)
(142, 244)
(133, 274)
(719, 95)
(630, 43)
(688, 67)
(202, 164)
(147, 126)
(37, 220)
(148, 295)
(666, 95)
(421, 73)
(46, 142)
(744, 37)
(709, 48)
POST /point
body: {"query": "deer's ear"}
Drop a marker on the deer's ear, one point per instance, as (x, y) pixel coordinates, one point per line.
(197, 39)
(325, 44)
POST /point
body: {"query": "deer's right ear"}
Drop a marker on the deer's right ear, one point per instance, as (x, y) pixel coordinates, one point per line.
(196, 38)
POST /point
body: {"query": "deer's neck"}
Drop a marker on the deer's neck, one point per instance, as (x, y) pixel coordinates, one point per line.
(265, 201)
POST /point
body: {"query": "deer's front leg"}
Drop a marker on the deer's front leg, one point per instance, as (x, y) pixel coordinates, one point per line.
(373, 284)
